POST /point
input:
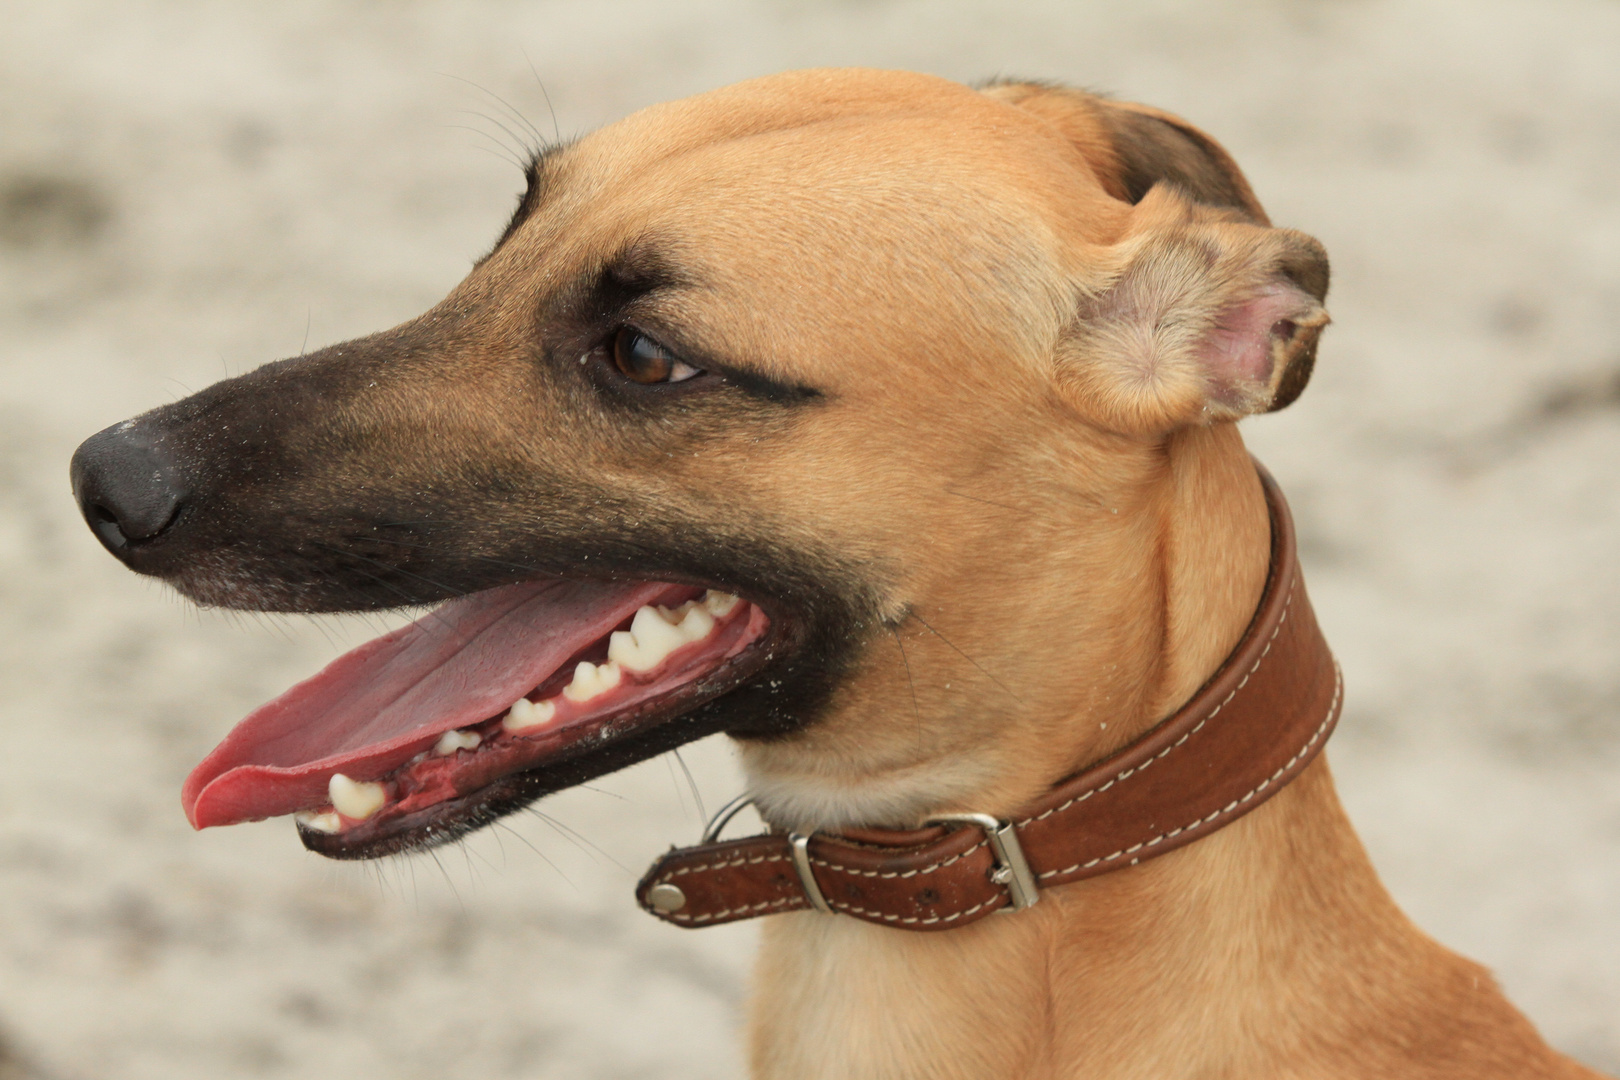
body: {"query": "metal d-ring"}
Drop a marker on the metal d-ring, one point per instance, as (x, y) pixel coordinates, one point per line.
(723, 816)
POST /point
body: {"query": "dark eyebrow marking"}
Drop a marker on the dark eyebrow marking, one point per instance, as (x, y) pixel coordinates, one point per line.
(636, 270)
(537, 175)
(766, 388)
(613, 292)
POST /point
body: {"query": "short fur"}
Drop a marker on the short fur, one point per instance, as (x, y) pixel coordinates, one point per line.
(974, 360)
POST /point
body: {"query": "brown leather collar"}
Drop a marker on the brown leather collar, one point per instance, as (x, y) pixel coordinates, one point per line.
(1252, 728)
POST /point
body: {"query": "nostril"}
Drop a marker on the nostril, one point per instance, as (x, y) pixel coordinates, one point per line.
(145, 515)
(104, 523)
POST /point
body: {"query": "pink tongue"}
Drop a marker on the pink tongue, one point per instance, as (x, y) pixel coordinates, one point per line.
(375, 707)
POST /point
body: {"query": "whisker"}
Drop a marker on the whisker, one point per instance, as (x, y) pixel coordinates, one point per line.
(556, 132)
(521, 140)
(380, 627)
(429, 582)
(966, 657)
(987, 502)
(434, 855)
(501, 844)
(514, 136)
(466, 856)
(504, 152)
(575, 837)
(675, 783)
(915, 711)
(407, 601)
(524, 840)
(439, 548)
(511, 109)
(691, 782)
(410, 600)
(1021, 510)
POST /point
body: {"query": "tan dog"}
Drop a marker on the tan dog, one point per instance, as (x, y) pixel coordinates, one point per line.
(941, 382)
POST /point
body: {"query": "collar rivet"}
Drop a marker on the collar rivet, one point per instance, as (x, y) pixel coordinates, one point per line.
(666, 897)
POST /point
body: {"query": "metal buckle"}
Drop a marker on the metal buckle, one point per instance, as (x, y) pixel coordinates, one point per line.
(1012, 869)
(801, 861)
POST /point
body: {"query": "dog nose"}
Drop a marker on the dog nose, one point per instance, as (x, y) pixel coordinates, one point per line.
(128, 490)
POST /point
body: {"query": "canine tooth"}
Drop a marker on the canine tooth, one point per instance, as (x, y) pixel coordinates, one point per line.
(451, 741)
(591, 680)
(321, 823)
(696, 622)
(357, 799)
(719, 604)
(528, 714)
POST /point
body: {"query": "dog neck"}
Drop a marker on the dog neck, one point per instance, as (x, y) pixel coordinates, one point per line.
(1215, 551)
(1276, 923)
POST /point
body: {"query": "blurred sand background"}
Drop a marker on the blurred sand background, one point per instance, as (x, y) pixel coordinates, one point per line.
(190, 189)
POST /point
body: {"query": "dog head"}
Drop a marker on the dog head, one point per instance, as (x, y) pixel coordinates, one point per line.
(896, 361)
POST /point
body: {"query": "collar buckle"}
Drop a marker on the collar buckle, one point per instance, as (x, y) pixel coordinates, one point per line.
(1012, 869)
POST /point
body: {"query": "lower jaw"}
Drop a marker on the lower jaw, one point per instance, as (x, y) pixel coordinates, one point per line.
(505, 778)
(448, 821)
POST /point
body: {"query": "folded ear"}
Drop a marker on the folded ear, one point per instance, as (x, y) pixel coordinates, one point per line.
(1132, 147)
(1199, 318)
(1201, 311)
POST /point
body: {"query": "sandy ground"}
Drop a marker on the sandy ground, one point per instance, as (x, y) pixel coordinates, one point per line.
(188, 190)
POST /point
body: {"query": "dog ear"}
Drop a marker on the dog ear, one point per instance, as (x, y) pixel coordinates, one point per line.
(1133, 147)
(1199, 317)
(1201, 311)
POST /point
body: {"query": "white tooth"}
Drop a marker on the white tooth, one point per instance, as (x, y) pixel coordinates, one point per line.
(528, 714)
(720, 604)
(591, 680)
(583, 685)
(696, 622)
(451, 741)
(650, 639)
(322, 823)
(355, 799)
(625, 650)
(655, 631)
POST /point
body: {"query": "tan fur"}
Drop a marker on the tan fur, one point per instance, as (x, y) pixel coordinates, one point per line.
(1067, 535)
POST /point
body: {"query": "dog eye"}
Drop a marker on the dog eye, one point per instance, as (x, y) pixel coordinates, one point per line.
(641, 359)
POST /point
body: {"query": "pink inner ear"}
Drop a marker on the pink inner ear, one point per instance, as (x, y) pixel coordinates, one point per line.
(1236, 355)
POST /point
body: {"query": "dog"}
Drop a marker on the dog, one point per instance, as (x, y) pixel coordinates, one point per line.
(887, 425)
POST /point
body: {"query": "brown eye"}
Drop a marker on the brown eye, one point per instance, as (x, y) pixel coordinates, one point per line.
(641, 359)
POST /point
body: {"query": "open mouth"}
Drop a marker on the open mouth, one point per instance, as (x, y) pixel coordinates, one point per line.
(420, 735)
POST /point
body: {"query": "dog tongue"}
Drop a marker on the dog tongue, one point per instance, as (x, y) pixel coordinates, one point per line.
(375, 707)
